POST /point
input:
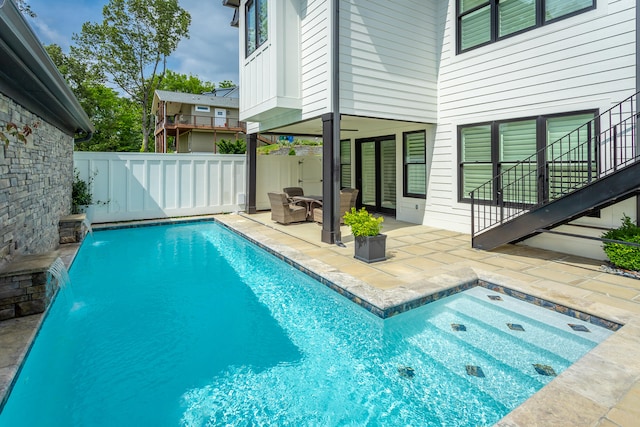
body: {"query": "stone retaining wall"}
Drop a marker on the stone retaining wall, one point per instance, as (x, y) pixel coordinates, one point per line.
(35, 184)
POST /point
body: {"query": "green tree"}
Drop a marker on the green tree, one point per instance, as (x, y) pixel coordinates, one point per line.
(24, 7)
(177, 82)
(115, 118)
(132, 44)
(226, 84)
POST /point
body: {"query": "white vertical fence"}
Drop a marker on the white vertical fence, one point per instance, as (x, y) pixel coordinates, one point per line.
(147, 185)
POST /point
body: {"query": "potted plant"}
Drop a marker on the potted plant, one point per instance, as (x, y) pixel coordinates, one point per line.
(82, 197)
(370, 245)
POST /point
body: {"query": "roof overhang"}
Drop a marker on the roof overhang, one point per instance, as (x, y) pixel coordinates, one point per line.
(30, 78)
(350, 127)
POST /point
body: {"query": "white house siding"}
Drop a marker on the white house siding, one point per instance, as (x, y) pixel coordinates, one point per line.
(269, 77)
(583, 62)
(315, 57)
(388, 59)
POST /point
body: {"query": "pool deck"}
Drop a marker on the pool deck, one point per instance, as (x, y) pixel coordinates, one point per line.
(601, 389)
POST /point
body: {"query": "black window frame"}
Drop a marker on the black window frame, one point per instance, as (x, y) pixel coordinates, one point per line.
(541, 143)
(405, 165)
(493, 21)
(256, 17)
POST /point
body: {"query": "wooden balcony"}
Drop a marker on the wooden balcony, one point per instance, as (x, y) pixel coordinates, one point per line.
(181, 123)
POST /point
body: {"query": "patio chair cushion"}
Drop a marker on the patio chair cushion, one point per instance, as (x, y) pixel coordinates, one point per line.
(348, 198)
(284, 212)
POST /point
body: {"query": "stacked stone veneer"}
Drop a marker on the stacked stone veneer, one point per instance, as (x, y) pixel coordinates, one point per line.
(35, 184)
(26, 287)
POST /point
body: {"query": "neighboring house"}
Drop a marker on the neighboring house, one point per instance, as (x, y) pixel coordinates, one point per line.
(422, 101)
(196, 121)
(36, 177)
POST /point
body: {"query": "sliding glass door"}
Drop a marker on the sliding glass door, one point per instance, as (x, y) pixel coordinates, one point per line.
(376, 173)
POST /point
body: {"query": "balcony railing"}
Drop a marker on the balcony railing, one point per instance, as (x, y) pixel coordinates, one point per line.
(200, 121)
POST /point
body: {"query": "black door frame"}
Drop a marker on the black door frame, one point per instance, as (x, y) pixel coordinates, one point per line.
(378, 184)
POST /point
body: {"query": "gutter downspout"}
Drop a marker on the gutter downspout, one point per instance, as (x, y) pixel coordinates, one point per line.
(85, 138)
(335, 106)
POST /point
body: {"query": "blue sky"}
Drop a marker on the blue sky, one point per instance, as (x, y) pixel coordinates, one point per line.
(211, 52)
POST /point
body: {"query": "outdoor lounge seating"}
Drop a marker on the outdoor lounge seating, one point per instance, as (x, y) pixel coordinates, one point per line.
(348, 198)
(283, 211)
(293, 192)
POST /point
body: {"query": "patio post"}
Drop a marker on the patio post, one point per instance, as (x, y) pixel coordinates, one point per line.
(252, 145)
(330, 180)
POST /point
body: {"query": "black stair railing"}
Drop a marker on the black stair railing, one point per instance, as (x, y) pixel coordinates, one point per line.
(562, 167)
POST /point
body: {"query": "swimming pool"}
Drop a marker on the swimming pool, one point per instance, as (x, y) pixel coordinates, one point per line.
(192, 325)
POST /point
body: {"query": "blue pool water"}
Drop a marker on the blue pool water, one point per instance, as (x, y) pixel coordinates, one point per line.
(192, 325)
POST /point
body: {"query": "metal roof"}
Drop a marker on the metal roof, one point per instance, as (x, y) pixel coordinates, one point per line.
(211, 100)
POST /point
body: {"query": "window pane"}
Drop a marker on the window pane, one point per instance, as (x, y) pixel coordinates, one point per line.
(388, 173)
(415, 147)
(368, 160)
(475, 28)
(262, 22)
(476, 143)
(251, 27)
(517, 140)
(557, 8)
(515, 15)
(519, 182)
(416, 179)
(568, 153)
(473, 176)
(558, 127)
(345, 151)
(345, 176)
(470, 4)
(345, 163)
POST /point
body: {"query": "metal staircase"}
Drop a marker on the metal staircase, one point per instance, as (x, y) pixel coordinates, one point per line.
(584, 171)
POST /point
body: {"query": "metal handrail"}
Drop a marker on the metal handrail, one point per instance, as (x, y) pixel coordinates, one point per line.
(577, 159)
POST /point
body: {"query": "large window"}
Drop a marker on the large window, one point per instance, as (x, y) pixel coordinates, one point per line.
(255, 24)
(415, 164)
(485, 21)
(488, 149)
(345, 163)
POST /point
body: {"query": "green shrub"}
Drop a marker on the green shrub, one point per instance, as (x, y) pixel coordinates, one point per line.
(80, 192)
(624, 256)
(362, 223)
(292, 152)
(225, 146)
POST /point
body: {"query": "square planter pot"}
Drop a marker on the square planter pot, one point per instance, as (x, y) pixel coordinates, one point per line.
(371, 248)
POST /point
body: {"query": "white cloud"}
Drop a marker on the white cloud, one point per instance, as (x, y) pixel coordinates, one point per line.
(211, 52)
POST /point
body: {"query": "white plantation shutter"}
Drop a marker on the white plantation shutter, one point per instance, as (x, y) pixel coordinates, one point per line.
(558, 8)
(470, 4)
(388, 173)
(568, 153)
(476, 143)
(517, 140)
(415, 163)
(345, 163)
(476, 158)
(475, 28)
(515, 15)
